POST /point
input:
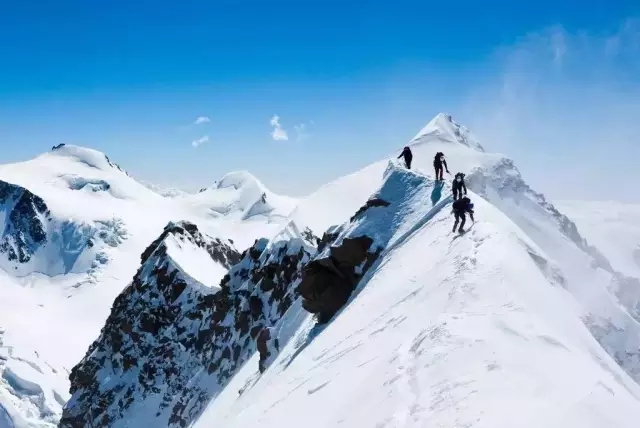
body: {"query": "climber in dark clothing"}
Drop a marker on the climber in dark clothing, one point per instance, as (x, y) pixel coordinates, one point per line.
(438, 162)
(458, 186)
(460, 208)
(408, 156)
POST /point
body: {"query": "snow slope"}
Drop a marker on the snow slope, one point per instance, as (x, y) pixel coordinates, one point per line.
(612, 302)
(338, 200)
(443, 332)
(72, 227)
(32, 392)
(520, 322)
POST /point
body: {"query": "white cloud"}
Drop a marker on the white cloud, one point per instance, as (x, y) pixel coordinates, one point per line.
(201, 119)
(278, 133)
(200, 141)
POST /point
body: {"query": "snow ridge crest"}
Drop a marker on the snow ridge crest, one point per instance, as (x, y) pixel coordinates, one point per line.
(443, 128)
(169, 346)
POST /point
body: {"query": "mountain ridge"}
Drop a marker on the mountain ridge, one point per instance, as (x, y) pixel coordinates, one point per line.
(321, 261)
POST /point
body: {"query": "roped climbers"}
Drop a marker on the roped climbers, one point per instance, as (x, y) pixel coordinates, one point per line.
(462, 205)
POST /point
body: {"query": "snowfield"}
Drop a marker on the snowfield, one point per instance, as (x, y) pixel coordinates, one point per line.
(526, 320)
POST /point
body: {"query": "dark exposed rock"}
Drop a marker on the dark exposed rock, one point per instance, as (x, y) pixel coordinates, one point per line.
(327, 283)
(25, 224)
(328, 238)
(373, 202)
(308, 235)
(267, 345)
(168, 341)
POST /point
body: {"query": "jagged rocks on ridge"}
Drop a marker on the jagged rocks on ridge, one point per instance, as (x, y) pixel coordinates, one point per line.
(24, 230)
(171, 344)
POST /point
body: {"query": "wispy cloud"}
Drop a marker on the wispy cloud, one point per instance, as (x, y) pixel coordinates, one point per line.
(197, 143)
(302, 131)
(278, 133)
(565, 107)
(201, 119)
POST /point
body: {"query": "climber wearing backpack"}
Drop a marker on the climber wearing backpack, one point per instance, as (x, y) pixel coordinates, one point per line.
(438, 162)
(458, 186)
(460, 208)
(408, 156)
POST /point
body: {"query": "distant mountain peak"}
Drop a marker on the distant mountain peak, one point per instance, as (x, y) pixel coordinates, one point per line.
(443, 128)
(90, 157)
(239, 179)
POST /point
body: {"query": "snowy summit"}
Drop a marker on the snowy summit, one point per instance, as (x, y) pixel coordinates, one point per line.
(355, 306)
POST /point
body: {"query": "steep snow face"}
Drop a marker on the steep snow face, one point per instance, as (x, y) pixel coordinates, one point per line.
(34, 241)
(335, 202)
(608, 299)
(444, 330)
(445, 129)
(171, 343)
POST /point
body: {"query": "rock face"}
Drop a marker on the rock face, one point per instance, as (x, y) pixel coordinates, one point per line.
(34, 240)
(347, 252)
(373, 202)
(267, 346)
(24, 225)
(171, 344)
(328, 282)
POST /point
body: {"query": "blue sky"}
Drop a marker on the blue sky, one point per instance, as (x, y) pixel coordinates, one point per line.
(555, 85)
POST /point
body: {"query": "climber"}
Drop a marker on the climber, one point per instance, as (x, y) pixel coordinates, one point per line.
(438, 161)
(460, 207)
(458, 186)
(408, 156)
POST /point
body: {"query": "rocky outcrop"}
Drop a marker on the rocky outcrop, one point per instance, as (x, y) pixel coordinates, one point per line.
(327, 283)
(170, 344)
(24, 228)
(373, 202)
(347, 252)
(267, 346)
(32, 239)
(328, 237)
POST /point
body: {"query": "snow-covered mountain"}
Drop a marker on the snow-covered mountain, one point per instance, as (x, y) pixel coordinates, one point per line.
(360, 308)
(520, 322)
(240, 195)
(73, 225)
(171, 341)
